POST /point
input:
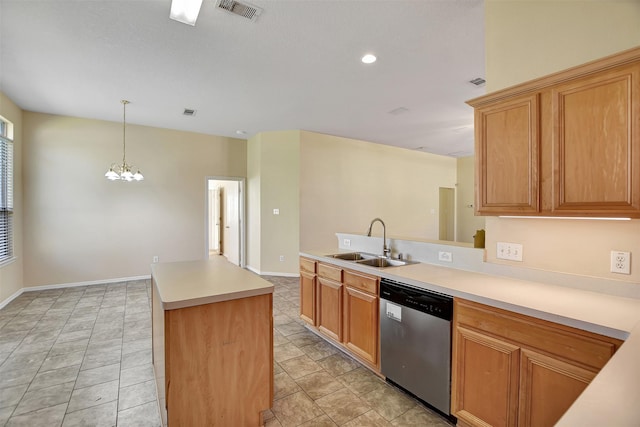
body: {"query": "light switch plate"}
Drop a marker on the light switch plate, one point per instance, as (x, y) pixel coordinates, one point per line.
(509, 251)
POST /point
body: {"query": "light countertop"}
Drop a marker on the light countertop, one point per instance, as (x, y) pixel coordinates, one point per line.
(613, 396)
(191, 283)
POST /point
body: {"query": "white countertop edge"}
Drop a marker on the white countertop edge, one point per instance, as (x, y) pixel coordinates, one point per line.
(186, 303)
(606, 402)
(611, 399)
(394, 273)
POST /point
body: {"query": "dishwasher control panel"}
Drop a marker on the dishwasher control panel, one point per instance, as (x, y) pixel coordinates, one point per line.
(432, 303)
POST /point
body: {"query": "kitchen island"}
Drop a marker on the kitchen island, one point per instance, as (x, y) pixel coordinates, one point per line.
(611, 398)
(212, 343)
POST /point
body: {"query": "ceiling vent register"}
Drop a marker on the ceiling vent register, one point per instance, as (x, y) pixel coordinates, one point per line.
(245, 10)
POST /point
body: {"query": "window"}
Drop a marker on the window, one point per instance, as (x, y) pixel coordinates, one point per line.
(6, 191)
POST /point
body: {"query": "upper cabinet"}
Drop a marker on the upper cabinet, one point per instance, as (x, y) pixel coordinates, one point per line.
(563, 145)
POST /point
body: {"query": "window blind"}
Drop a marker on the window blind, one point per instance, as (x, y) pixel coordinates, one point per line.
(6, 196)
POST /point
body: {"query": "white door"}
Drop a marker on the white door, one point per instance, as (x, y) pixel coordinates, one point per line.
(231, 220)
(215, 223)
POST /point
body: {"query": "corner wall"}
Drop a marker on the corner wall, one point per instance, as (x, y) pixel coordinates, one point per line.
(468, 223)
(529, 39)
(273, 164)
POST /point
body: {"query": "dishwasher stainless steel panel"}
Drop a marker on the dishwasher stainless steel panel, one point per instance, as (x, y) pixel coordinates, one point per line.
(415, 343)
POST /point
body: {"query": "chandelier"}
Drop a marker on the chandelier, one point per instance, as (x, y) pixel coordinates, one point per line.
(123, 171)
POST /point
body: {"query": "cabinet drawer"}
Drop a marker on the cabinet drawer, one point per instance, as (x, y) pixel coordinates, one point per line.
(564, 342)
(330, 272)
(308, 265)
(361, 281)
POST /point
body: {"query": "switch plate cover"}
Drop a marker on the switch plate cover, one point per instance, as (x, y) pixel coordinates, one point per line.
(509, 251)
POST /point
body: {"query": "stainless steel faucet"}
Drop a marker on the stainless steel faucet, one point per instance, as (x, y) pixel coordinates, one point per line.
(386, 252)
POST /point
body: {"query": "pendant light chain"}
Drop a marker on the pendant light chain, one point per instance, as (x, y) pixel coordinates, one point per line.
(124, 131)
(123, 172)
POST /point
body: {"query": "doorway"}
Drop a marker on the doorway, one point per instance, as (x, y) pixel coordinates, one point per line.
(447, 214)
(225, 219)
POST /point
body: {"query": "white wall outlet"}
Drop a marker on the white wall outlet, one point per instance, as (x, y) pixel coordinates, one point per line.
(621, 262)
(281, 258)
(445, 256)
(276, 211)
(509, 251)
(156, 259)
(346, 243)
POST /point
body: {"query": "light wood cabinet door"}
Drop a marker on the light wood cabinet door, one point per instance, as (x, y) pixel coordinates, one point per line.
(596, 143)
(484, 380)
(507, 156)
(329, 314)
(361, 323)
(308, 297)
(548, 387)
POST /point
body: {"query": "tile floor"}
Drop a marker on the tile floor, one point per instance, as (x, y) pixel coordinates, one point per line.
(82, 357)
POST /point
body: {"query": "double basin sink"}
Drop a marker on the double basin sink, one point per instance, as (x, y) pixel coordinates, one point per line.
(370, 259)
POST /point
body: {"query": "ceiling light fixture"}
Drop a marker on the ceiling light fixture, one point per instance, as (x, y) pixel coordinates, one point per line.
(369, 58)
(185, 11)
(123, 172)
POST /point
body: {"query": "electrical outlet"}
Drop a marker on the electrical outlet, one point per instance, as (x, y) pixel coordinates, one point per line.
(276, 211)
(445, 256)
(509, 251)
(346, 243)
(281, 258)
(621, 262)
(156, 259)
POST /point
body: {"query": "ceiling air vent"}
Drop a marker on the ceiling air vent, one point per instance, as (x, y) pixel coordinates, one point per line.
(245, 10)
(189, 112)
(478, 81)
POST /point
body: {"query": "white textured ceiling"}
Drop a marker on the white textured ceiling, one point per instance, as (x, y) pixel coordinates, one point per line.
(297, 67)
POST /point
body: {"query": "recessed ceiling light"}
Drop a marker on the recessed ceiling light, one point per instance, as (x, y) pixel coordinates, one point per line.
(369, 58)
(241, 132)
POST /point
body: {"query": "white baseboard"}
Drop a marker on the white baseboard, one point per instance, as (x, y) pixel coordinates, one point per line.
(70, 285)
(270, 273)
(15, 295)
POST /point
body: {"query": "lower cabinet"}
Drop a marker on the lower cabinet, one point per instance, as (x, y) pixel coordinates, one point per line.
(330, 308)
(361, 323)
(344, 304)
(514, 370)
(308, 290)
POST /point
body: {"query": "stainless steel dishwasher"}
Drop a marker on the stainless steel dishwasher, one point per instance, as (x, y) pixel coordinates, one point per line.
(415, 341)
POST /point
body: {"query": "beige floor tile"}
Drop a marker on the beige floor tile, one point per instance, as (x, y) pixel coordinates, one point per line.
(361, 381)
(319, 384)
(295, 409)
(286, 352)
(369, 419)
(389, 402)
(338, 364)
(300, 366)
(323, 421)
(343, 406)
(283, 385)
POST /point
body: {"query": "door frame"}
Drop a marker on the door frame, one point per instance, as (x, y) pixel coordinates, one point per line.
(241, 213)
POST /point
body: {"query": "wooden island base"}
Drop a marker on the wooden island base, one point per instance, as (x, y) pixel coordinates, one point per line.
(214, 361)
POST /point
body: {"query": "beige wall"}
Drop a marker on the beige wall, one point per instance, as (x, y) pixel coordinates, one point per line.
(528, 39)
(273, 161)
(345, 183)
(81, 227)
(254, 149)
(11, 274)
(468, 223)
